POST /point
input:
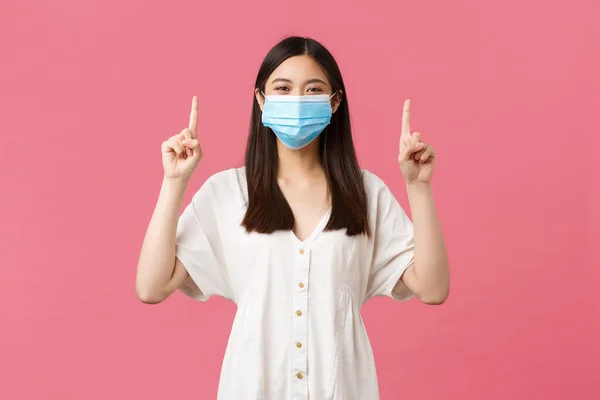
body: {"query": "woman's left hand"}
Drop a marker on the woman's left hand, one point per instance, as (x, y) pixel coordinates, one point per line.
(416, 158)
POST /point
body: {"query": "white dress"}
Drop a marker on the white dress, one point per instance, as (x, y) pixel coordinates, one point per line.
(298, 332)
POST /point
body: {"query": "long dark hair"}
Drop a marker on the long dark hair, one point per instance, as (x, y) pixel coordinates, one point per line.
(268, 210)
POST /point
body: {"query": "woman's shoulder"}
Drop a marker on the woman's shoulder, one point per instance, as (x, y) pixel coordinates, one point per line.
(227, 187)
(373, 183)
(378, 192)
(231, 177)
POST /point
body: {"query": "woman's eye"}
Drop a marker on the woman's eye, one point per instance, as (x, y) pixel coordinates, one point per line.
(315, 89)
(281, 88)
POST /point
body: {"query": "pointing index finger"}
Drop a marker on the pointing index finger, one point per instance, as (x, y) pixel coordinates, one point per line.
(406, 118)
(194, 117)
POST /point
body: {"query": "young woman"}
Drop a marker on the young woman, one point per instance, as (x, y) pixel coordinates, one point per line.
(300, 238)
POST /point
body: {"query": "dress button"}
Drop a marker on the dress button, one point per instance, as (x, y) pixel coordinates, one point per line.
(301, 251)
(301, 285)
(299, 375)
(298, 313)
(299, 345)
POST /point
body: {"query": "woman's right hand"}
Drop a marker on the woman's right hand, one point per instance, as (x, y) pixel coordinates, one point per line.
(181, 153)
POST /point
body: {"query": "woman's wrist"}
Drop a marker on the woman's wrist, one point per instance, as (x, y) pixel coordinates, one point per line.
(174, 189)
(418, 187)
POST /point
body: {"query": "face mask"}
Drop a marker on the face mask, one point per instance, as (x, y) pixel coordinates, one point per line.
(297, 120)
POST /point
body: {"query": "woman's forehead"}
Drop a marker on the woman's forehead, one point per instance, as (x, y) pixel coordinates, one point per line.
(298, 70)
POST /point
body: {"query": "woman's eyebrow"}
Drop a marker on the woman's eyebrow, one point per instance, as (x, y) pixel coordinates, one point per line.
(315, 80)
(281, 80)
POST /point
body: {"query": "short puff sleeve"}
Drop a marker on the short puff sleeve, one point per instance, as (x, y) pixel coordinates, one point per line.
(393, 243)
(199, 247)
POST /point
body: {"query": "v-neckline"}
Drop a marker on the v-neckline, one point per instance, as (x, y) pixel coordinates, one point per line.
(318, 229)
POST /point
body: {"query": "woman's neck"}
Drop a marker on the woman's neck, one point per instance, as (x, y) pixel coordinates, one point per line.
(293, 164)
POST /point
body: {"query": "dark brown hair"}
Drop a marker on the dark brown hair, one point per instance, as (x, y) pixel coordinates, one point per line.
(268, 210)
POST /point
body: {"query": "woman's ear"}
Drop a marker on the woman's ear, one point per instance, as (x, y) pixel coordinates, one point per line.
(336, 100)
(260, 98)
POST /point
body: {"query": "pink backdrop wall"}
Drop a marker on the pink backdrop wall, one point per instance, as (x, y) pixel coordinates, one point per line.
(507, 91)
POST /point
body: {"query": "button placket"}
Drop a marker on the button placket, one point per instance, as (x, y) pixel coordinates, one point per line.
(300, 324)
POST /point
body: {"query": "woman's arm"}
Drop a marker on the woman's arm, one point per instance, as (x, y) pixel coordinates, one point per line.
(429, 277)
(159, 272)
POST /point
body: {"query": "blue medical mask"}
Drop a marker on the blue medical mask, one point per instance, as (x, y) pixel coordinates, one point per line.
(297, 120)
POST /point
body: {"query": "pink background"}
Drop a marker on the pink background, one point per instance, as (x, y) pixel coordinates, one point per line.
(507, 91)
